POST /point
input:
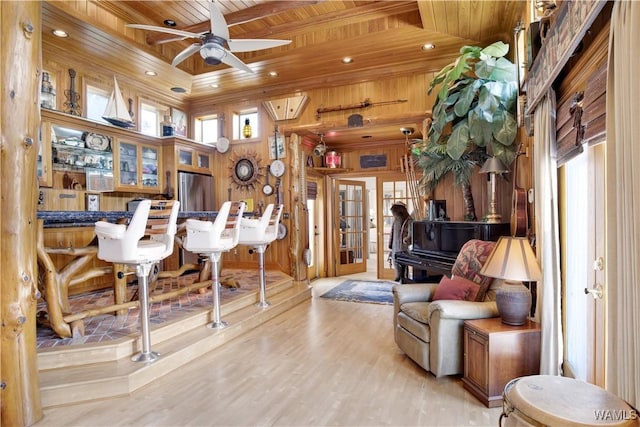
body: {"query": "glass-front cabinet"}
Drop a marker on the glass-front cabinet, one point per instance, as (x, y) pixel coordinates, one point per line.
(191, 159)
(78, 156)
(138, 167)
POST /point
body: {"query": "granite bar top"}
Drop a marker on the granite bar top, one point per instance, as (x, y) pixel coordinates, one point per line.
(61, 219)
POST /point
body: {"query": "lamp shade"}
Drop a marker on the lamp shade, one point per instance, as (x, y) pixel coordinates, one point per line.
(493, 165)
(512, 259)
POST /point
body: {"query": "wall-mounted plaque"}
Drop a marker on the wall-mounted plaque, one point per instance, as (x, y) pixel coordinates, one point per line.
(373, 161)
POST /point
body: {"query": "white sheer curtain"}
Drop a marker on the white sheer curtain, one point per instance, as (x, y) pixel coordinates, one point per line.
(623, 204)
(547, 235)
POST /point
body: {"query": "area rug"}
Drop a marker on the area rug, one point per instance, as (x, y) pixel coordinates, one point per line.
(375, 292)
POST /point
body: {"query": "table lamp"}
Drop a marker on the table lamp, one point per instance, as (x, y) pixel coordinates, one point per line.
(513, 259)
(492, 166)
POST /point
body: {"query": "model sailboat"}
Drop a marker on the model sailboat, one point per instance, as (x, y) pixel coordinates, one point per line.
(117, 112)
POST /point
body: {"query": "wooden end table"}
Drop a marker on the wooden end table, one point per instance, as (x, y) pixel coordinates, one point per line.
(495, 353)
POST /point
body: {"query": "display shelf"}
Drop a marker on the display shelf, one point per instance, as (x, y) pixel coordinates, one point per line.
(328, 171)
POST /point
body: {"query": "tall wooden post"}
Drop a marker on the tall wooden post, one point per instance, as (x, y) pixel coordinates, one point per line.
(20, 70)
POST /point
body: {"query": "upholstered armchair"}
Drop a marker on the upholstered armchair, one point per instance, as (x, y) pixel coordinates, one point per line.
(430, 331)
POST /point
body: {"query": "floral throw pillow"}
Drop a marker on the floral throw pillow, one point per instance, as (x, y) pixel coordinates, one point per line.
(469, 262)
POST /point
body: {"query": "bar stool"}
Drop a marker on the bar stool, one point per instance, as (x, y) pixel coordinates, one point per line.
(212, 239)
(118, 243)
(259, 233)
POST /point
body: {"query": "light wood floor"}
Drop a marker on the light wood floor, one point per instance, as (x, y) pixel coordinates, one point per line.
(322, 363)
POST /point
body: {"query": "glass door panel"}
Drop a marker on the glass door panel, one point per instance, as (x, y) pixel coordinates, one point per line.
(128, 157)
(150, 178)
(351, 242)
(391, 191)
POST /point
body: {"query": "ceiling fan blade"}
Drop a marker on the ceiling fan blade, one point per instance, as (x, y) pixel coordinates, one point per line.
(186, 53)
(218, 23)
(233, 61)
(184, 34)
(248, 45)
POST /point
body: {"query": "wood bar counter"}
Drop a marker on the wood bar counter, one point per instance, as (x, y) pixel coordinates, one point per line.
(72, 262)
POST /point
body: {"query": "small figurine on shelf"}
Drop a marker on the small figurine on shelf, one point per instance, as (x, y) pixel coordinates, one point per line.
(168, 127)
(246, 130)
(47, 92)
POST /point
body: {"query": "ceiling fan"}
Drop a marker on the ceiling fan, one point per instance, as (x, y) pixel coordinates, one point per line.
(216, 47)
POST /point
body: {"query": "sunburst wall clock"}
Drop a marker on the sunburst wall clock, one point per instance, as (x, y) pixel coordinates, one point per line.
(245, 170)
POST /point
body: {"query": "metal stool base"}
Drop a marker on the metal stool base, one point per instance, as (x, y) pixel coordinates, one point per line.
(150, 357)
(263, 304)
(218, 325)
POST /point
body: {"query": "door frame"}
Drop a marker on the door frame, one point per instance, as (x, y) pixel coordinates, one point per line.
(594, 325)
(349, 256)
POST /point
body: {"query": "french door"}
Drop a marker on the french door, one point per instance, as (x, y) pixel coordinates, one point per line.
(583, 266)
(351, 227)
(390, 189)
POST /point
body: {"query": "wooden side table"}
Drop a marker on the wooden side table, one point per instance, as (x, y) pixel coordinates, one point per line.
(495, 353)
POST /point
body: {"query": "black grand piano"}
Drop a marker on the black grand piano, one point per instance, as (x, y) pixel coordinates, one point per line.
(436, 245)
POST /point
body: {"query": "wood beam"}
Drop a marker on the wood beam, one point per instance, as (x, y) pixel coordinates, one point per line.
(20, 73)
(239, 17)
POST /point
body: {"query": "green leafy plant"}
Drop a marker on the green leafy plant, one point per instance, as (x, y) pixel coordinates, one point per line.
(474, 114)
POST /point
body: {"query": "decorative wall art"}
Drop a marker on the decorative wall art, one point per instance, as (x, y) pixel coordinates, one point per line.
(180, 120)
(276, 151)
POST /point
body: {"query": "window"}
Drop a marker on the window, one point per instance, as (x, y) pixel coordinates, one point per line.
(97, 100)
(240, 121)
(150, 118)
(206, 129)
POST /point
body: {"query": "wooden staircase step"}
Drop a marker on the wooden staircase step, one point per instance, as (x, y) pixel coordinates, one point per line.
(121, 376)
(59, 357)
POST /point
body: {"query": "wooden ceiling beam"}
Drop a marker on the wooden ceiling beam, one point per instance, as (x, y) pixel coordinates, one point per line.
(239, 17)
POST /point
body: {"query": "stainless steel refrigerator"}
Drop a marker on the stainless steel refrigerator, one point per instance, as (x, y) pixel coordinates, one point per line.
(195, 193)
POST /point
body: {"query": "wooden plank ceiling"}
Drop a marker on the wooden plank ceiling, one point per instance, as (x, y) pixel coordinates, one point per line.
(383, 37)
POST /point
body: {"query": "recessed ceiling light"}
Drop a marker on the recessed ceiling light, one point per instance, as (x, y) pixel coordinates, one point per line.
(215, 85)
(60, 33)
(178, 89)
(169, 22)
(273, 74)
(151, 73)
(347, 60)
(428, 46)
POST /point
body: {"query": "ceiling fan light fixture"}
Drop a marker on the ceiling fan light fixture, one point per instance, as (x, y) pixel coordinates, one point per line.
(212, 50)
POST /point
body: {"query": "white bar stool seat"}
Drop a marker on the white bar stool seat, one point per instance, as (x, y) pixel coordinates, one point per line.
(259, 233)
(212, 239)
(121, 244)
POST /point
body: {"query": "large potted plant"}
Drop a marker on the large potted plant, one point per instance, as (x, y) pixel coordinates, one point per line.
(474, 116)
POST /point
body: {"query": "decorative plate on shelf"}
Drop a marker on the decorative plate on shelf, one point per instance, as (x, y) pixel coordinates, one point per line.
(95, 141)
